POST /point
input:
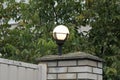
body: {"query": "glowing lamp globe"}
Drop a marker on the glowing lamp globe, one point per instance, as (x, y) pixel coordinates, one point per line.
(60, 34)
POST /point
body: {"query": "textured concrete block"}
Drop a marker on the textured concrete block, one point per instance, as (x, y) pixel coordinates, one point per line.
(87, 76)
(87, 62)
(42, 71)
(97, 71)
(57, 70)
(100, 77)
(67, 63)
(52, 76)
(52, 64)
(80, 69)
(100, 65)
(67, 76)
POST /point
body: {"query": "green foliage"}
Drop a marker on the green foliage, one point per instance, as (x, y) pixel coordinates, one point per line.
(105, 35)
(31, 38)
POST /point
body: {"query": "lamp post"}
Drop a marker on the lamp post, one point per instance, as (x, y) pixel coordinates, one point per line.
(60, 34)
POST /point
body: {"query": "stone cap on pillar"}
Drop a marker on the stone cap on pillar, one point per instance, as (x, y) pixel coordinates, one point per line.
(70, 56)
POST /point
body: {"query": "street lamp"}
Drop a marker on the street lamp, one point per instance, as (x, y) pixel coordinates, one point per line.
(60, 34)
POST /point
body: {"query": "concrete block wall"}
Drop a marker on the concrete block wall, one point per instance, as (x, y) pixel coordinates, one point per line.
(16, 70)
(73, 67)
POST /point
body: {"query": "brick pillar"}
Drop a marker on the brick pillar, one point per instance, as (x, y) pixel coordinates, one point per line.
(73, 66)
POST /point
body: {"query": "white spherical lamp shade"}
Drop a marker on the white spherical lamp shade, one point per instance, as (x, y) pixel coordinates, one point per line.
(60, 32)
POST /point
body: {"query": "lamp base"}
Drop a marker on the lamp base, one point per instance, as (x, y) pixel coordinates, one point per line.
(60, 43)
(59, 50)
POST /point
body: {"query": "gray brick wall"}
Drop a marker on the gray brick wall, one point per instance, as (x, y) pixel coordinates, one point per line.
(73, 68)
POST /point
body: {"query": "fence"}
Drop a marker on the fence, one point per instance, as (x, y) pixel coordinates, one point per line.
(77, 66)
(14, 70)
